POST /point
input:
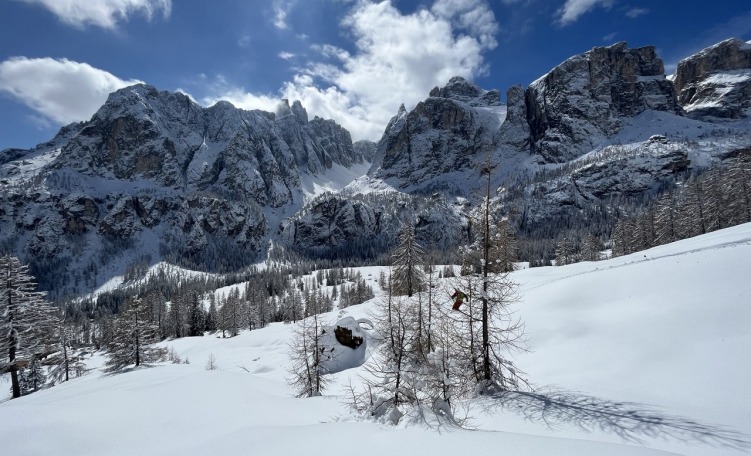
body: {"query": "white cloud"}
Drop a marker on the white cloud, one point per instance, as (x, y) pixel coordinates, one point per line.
(473, 15)
(609, 37)
(62, 91)
(281, 9)
(220, 89)
(633, 13)
(286, 55)
(396, 58)
(572, 10)
(102, 13)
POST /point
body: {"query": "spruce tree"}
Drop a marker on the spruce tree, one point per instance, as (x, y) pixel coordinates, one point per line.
(407, 258)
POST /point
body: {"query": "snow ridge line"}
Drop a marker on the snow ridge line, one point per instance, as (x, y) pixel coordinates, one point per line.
(645, 259)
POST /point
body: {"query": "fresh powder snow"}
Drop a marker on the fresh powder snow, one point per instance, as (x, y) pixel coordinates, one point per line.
(666, 327)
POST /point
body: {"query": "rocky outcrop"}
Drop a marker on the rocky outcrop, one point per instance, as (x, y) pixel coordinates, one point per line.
(716, 82)
(364, 227)
(583, 100)
(366, 149)
(468, 92)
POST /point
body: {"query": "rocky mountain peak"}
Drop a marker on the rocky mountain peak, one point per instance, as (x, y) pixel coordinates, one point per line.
(716, 81)
(446, 133)
(468, 92)
(154, 168)
(584, 99)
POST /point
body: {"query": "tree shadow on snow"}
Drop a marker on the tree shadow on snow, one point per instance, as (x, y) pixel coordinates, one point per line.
(630, 421)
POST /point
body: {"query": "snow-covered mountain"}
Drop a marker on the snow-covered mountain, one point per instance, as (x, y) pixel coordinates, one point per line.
(716, 82)
(430, 147)
(154, 174)
(584, 100)
(601, 127)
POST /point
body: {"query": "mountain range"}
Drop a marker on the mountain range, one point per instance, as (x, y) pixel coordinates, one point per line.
(153, 176)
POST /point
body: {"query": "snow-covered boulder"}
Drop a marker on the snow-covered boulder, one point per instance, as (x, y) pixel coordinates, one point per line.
(345, 344)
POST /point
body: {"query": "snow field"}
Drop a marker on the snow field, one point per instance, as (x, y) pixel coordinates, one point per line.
(667, 327)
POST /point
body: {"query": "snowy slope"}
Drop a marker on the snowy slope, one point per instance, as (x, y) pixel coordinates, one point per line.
(667, 327)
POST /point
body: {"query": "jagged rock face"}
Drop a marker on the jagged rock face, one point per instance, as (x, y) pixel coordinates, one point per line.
(317, 143)
(468, 92)
(337, 224)
(716, 82)
(366, 149)
(617, 171)
(449, 132)
(582, 101)
(515, 129)
(152, 171)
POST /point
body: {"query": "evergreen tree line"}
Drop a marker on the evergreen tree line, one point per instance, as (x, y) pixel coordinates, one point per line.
(704, 201)
(717, 199)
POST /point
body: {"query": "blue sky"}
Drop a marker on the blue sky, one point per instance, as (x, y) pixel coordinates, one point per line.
(354, 61)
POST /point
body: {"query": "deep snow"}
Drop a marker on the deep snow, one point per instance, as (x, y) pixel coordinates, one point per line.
(668, 327)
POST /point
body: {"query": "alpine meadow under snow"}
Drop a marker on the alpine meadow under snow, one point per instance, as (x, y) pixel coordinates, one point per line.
(665, 328)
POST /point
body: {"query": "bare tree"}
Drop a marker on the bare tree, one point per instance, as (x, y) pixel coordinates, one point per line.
(27, 325)
(307, 371)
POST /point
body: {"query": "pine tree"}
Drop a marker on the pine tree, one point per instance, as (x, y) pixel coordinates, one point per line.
(564, 252)
(134, 334)
(27, 325)
(65, 362)
(591, 247)
(196, 317)
(32, 378)
(212, 316)
(666, 220)
(407, 277)
(500, 334)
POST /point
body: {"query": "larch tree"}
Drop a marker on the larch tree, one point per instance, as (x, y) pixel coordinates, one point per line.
(307, 371)
(133, 338)
(500, 334)
(27, 320)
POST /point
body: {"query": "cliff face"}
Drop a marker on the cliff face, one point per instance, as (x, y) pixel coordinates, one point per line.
(716, 82)
(584, 100)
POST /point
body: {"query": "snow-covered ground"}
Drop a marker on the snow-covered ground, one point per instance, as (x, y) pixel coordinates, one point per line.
(669, 327)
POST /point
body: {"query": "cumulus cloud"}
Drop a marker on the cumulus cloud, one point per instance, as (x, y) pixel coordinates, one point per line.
(102, 13)
(572, 10)
(62, 91)
(396, 58)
